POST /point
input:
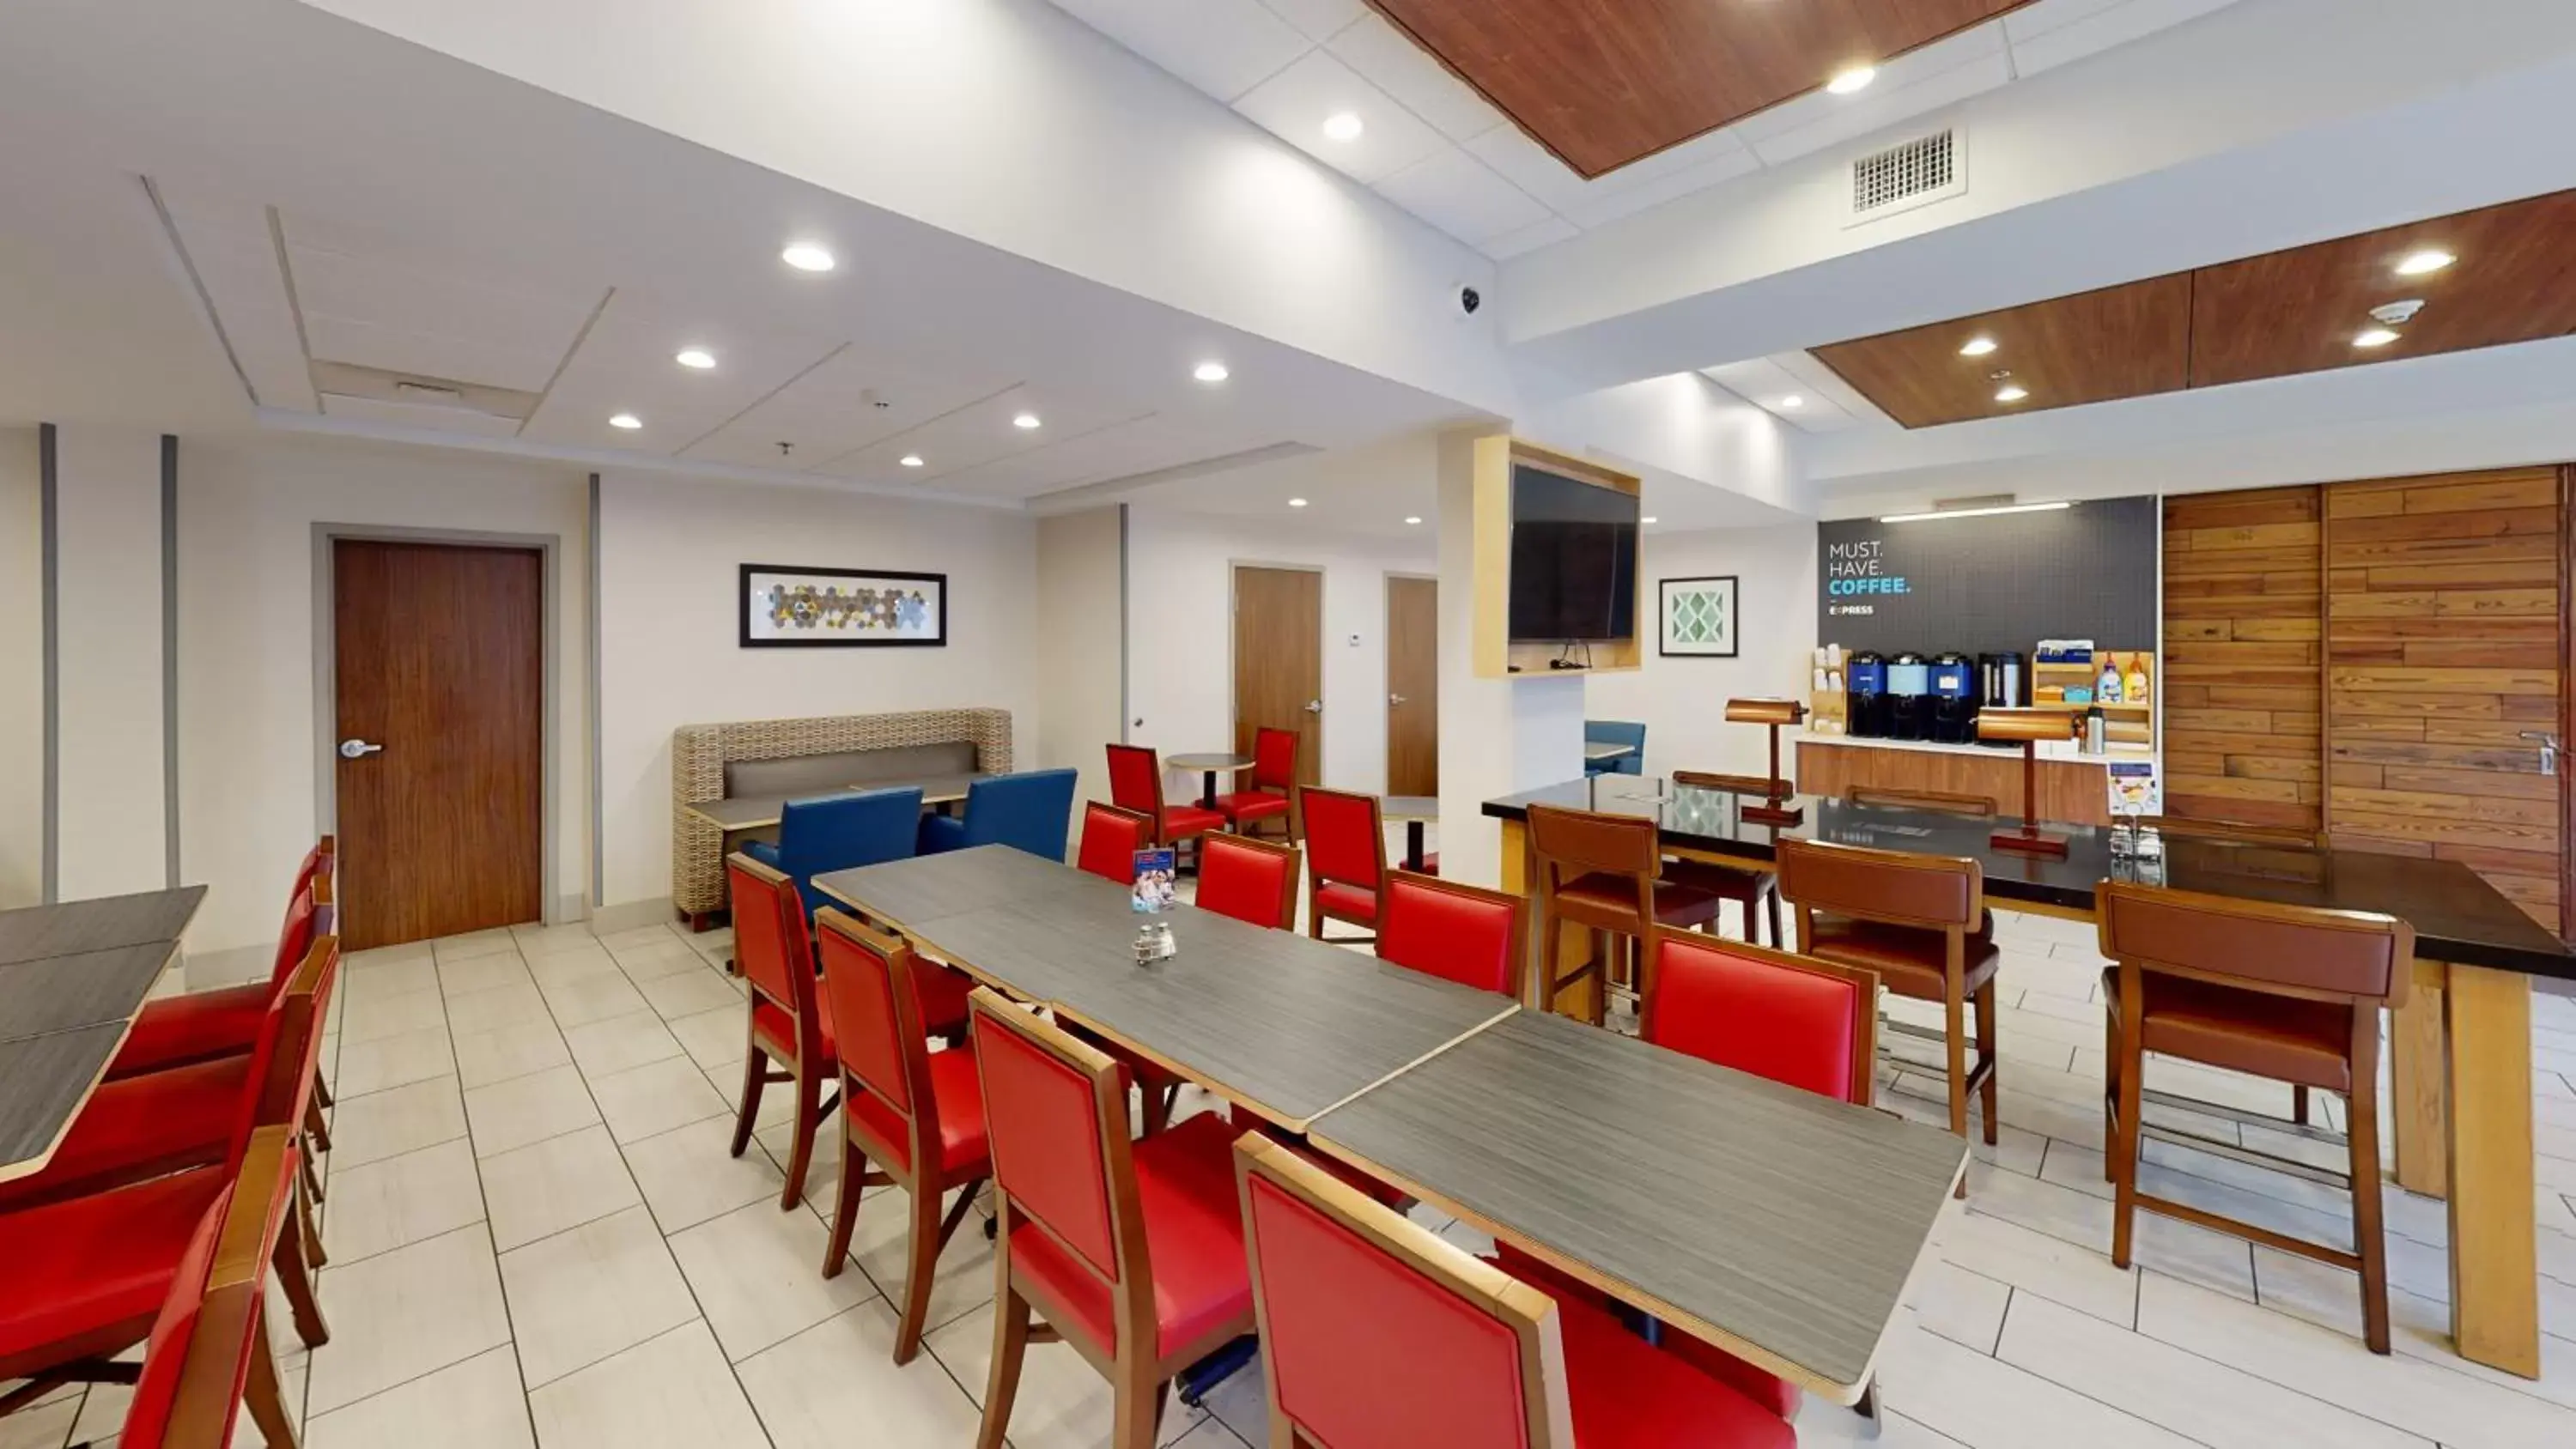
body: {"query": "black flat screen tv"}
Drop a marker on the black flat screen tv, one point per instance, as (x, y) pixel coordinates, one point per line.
(1574, 559)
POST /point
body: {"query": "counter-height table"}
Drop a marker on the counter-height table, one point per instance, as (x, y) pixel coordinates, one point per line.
(72, 978)
(1775, 1223)
(2460, 1048)
(1273, 1021)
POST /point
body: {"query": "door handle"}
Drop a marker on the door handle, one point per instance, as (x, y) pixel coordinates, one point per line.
(2549, 748)
(355, 749)
(1314, 706)
(1395, 699)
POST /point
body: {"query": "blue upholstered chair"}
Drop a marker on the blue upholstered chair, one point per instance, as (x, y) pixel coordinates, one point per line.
(838, 832)
(1616, 732)
(1031, 811)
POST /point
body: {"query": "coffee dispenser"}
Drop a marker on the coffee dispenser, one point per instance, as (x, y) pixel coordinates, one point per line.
(1954, 698)
(1865, 695)
(1999, 680)
(1909, 697)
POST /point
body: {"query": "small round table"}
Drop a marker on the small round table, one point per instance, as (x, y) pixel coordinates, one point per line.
(1209, 767)
(1413, 810)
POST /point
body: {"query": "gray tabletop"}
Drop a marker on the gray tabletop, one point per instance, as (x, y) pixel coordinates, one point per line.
(759, 812)
(1409, 807)
(1596, 750)
(72, 978)
(1770, 1221)
(1271, 1020)
(1205, 763)
(71, 927)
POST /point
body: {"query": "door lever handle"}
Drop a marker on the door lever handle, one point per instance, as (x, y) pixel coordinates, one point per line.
(2549, 748)
(355, 749)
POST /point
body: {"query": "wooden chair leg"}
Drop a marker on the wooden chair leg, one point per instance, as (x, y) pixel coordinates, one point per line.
(2299, 1105)
(321, 1091)
(1551, 955)
(921, 1268)
(755, 1077)
(809, 1115)
(2370, 1239)
(1010, 1346)
(1988, 1092)
(1954, 1036)
(288, 1260)
(316, 1131)
(2110, 1097)
(312, 1181)
(265, 1397)
(845, 1209)
(1139, 1410)
(1771, 910)
(2123, 1141)
(305, 1230)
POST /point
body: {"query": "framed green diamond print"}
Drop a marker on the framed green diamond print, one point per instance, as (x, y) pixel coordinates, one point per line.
(1699, 618)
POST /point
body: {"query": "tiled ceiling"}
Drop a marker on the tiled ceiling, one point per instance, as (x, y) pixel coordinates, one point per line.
(1432, 145)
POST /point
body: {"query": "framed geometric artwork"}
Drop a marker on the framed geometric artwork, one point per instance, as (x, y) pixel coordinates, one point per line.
(1698, 617)
(814, 608)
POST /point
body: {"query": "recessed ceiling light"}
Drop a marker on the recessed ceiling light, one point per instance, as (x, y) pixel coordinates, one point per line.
(2429, 260)
(910, 460)
(1649, 518)
(1412, 518)
(1025, 420)
(1852, 78)
(628, 421)
(2011, 392)
(1793, 402)
(697, 357)
(1343, 126)
(1977, 346)
(2374, 337)
(1296, 502)
(807, 257)
(1211, 372)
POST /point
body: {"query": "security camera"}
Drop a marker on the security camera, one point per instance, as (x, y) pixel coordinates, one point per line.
(1468, 299)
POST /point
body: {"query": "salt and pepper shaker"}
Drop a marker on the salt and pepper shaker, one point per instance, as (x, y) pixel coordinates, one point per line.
(1154, 943)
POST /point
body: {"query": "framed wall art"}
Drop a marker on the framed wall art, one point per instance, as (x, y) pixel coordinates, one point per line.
(785, 607)
(1698, 617)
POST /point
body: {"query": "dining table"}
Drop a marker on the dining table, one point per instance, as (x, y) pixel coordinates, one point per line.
(1209, 767)
(73, 976)
(1416, 811)
(2460, 1046)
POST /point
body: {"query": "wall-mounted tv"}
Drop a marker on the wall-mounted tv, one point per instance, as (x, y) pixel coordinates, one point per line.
(1574, 559)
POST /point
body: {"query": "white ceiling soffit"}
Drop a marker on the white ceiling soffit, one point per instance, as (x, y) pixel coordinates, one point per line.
(1435, 147)
(1800, 391)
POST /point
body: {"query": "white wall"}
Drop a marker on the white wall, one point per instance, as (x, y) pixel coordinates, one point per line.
(111, 822)
(1180, 631)
(1081, 638)
(248, 753)
(1683, 701)
(22, 665)
(670, 654)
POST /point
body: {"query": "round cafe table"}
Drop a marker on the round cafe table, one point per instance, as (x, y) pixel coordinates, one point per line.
(1413, 810)
(1209, 767)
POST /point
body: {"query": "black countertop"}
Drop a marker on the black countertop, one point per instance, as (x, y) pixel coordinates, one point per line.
(2457, 916)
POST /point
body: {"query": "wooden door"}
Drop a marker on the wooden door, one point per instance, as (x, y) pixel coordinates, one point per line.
(1412, 686)
(439, 659)
(1279, 660)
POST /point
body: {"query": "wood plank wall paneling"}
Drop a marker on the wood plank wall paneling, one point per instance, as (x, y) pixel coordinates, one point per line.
(2242, 657)
(2443, 645)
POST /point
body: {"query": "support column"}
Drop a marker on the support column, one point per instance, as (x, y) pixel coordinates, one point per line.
(108, 716)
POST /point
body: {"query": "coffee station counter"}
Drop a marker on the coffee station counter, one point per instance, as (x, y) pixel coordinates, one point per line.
(2071, 784)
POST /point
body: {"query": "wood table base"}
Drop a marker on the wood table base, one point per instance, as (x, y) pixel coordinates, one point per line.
(2417, 1094)
(2495, 1267)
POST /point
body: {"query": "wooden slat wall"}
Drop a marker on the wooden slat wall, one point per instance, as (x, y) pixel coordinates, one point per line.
(2241, 646)
(2443, 646)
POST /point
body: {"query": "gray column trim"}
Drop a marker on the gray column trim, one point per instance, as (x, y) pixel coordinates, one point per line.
(49, 546)
(170, 658)
(598, 779)
(1126, 721)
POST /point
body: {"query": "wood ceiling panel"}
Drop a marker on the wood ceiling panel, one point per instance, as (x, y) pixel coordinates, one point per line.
(2124, 341)
(1602, 83)
(2276, 315)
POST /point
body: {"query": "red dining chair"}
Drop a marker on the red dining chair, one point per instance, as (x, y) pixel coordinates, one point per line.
(1132, 1252)
(1136, 783)
(1111, 836)
(916, 1113)
(789, 1021)
(1251, 880)
(1345, 859)
(1377, 1331)
(207, 1354)
(1274, 783)
(1457, 932)
(198, 1025)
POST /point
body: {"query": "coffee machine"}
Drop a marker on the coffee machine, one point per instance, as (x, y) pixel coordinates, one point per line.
(1955, 697)
(2001, 684)
(1909, 697)
(1865, 695)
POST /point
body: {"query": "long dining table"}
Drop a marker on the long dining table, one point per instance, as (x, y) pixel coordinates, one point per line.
(1779, 1225)
(2460, 1047)
(72, 978)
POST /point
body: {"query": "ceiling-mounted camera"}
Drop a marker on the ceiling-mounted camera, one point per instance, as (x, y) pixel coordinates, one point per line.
(1468, 298)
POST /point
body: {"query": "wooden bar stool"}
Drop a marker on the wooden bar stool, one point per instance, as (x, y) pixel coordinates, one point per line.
(2285, 992)
(1749, 889)
(1920, 922)
(1604, 872)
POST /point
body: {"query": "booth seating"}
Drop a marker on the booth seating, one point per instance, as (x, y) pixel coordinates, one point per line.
(1029, 811)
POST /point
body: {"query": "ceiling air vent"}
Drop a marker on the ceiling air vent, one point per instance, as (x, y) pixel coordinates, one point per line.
(1909, 174)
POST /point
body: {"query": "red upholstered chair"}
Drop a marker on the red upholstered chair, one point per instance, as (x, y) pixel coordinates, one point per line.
(1345, 858)
(1274, 783)
(1136, 783)
(208, 1353)
(1459, 932)
(1250, 880)
(1110, 839)
(917, 1114)
(790, 1022)
(1132, 1252)
(199, 1025)
(1377, 1331)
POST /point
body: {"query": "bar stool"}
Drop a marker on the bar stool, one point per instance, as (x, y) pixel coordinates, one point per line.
(2285, 992)
(1746, 888)
(1604, 872)
(1920, 922)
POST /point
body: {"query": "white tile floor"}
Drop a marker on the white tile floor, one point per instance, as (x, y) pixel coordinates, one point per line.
(536, 1238)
